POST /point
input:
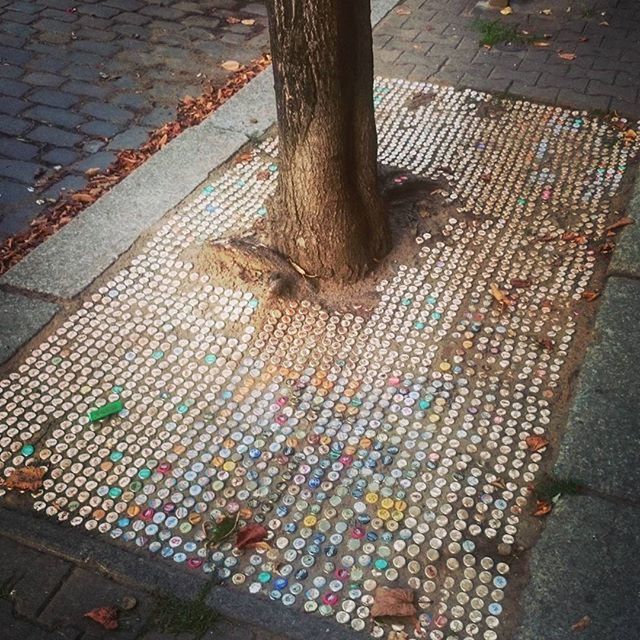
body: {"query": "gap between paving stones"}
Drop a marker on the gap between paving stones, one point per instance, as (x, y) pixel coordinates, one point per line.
(143, 572)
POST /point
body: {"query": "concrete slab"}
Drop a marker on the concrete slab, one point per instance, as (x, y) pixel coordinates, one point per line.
(626, 258)
(600, 447)
(20, 319)
(582, 567)
(69, 261)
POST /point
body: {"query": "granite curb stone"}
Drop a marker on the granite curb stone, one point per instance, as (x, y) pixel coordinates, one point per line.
(582, 566)
(20, 319)
(600, 446)
(626, 258)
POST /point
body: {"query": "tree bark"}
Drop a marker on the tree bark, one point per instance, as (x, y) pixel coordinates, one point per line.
(327, 215)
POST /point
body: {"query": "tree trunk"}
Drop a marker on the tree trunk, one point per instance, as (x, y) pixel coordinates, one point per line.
(327, 215)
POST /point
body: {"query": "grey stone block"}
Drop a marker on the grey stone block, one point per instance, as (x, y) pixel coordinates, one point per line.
(16, 149)
(12, 126)
(69, 261)
(53, 98)
(600, 447)
(54, 136)
(84, 591)
(51, 115)
(20, 319)
(31, 576)
(626, 257)
(584, 564)
(19, 170)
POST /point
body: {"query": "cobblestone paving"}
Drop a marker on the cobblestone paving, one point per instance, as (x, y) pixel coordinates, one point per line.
(80, 80)
(388, 450)
(43, 597)
(433, 40)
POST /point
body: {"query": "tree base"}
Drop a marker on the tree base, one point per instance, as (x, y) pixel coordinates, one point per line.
(416, 206)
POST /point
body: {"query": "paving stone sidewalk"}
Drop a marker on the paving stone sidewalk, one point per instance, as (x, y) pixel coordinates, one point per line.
(81, 80)
(44, 597)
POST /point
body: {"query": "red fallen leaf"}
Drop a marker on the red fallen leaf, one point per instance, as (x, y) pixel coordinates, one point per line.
(536, 443)
(104, 616)
(582, 624)
(590, 296)
(24, 479)
(623, 222)
(394, 603)
(250, 535)
(520, 283)
(233, 20)
(543, 507)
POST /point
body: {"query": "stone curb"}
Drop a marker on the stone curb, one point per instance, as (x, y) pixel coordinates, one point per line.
(147, 573)
(68, 262)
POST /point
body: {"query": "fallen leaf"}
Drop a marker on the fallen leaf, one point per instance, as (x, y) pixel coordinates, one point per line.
(393, 602)
(582, 624)
(546, 12)
(84, 198)
(567, 56)
(590, 296)
(248, 22)
(543, 507)
(546, 343)
(630, 135)
(541, 43)
(263, 175)
(583, 39)
(231, 65)
(604, 23)
(403, 11)
(536, 443)
(217, 532)
(24, 479)
(607, 247)
(104, 616)
(520, 283)
(233, 20)
(500, 295)
(92, 172)
(128, 603)
(623, 222)
(247, 156)
(507, 11)
(250, 535)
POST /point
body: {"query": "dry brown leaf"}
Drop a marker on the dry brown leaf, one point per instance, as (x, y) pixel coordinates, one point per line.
(607, 247)
(265, 174)
(231, 65)
(84, 198)
(582, 624)
(590, 296)
(393, 603)
(104, 616)
(543, 507)
(536, 443)
(567, 56)
(546, 343)
(541, 43)
(403, 11)
(250, 535)
(623, 222)
(583, 39)
(500, 295)
(233, 20)
(24, 479)
(248, 22)
(520, 283)
(630, 135)
(94, 171)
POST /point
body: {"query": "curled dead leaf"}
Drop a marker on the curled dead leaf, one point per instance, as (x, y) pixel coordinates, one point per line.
(546, 343)
(107, 617)
(536, 443)
(607, 247)
(630, 135)
(543, 507)
(623, 222)
(250, 535)
(393, 602)
(590, 296)
(567, 56)
(500, 295)
(233, 20)
(231, 65)
(520, 283)
(582, 624)
(263, 175)
(24, 479)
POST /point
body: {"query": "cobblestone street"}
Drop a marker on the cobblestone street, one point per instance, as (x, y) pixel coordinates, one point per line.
(81, 80)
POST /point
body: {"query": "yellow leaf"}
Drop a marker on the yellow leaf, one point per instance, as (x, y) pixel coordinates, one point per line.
(231, 65)
(630, 135)
(507, 11)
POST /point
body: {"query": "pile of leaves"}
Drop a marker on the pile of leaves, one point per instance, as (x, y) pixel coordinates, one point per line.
(191, 111)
